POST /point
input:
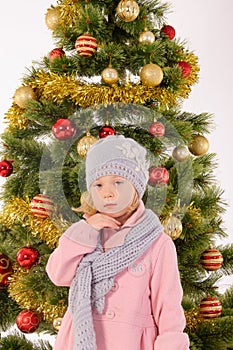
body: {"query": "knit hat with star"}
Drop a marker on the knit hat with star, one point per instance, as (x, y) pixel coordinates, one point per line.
(117, 155)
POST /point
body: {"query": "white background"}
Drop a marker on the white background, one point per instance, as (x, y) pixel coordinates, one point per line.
(206, 25)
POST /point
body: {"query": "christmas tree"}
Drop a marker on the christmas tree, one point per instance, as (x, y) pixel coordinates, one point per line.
(116, 67)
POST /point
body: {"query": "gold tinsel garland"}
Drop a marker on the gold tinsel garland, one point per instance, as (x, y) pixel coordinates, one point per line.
(48, 87)
(193, 320)
(27, 299)
(69, 13)
(18, 210)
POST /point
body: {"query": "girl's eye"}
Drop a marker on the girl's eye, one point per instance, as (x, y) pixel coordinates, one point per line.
(97, 185)
(118, 182)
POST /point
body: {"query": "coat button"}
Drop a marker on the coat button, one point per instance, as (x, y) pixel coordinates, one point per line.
(110, 314)
(115, 287)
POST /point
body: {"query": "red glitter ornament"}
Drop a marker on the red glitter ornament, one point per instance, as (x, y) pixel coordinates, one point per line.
(157, 129)
(27, 321)
(86, 45)
(6, 270)
(105, 131)
(185, 68)
(6, 168)
(169, 31)
(27, 257)
(56, 53)
(158, 175)
(211, 259)
(210, 307)
(64, 129)
(42, 206)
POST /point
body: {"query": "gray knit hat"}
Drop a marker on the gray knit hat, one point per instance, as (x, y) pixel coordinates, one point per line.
(117, 155)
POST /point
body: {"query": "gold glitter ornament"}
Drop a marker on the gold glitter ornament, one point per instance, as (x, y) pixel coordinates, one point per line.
(23, 95)
(127, 10)
(52, 18)
(57, 323)
(199, 145)
(110, 75)
(146, 37)
(172, 226)
(85, 143)
(151, 75)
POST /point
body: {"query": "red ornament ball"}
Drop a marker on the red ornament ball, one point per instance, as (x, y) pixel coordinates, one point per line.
(56, 53)
(27, 257)
(169, 31)
(42, 206)
(185, 68)
(157, 129)
(6, 270)
(86, 45)
(158, 175)
(6, 168)
(105, 131)
(211, 259)
(27, 321)
(64, 129)
(210, 307)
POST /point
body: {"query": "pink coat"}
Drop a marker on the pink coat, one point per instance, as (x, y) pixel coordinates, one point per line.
(143, 309)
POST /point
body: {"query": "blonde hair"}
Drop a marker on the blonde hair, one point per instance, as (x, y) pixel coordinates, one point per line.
(87, 206)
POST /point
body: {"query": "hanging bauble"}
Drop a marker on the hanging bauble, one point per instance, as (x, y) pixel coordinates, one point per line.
(52, 18)
(180, 153)
(106, 130)
(86, 45)
(6, 168)
(42, 206)
(27, 257)
(185, 68)
(158, 175)
(85, 143)
(27, 321)
(23, 95)
(64, 129)
(199, 145)
(172, 226)
(157, 129)
(56, 53)
(127, 10)
(57, 323)
(211, 259)
(210, 307)
(110, 75)
(146, 37)
(169, 31)
(151, 75)
(6, 270)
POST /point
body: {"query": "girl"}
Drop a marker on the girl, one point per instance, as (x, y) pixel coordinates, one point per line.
(125, 291)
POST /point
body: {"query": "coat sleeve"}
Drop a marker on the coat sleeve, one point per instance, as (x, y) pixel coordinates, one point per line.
(79, 239)
(166, 297)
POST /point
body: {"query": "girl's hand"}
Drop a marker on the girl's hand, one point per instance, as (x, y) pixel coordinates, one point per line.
(99, 221)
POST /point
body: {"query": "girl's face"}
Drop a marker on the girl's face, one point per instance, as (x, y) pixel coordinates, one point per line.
(112, 195)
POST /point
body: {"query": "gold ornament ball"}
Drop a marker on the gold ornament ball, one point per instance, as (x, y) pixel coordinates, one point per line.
(146, 37)
(110, 75)
(172, 226)
(85, 143)
(180, 153)
(52, 18)
(57, 323)
(151, 75)
(127, 10)
(23, 95)
(199, 145)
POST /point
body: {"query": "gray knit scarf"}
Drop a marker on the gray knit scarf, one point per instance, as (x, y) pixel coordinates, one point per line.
(95, 277)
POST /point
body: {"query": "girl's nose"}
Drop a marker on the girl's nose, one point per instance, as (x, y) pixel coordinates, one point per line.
(109, 192)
